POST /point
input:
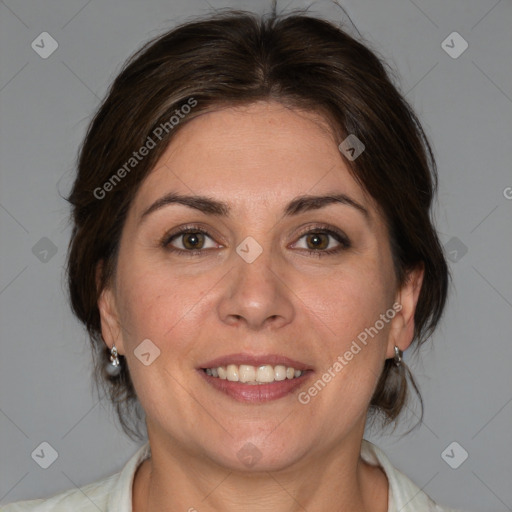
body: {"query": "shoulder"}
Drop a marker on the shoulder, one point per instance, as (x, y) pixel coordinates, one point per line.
(111, 493)
(89, 497)
(404, 495)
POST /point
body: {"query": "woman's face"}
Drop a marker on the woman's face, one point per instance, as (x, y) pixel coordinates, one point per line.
(262, 278)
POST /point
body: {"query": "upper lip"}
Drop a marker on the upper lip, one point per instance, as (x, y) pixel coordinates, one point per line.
(255, 360)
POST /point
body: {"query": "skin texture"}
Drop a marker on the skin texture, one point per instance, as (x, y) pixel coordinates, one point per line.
(288, 302)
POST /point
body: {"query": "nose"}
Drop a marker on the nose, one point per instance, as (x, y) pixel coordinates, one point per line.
(256, 295)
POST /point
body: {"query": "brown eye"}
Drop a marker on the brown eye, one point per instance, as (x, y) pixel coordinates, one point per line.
(323, 242)
(317, 241)
(188, 240)
(193, 240)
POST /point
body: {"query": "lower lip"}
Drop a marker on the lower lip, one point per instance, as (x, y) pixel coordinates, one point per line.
(256, 393)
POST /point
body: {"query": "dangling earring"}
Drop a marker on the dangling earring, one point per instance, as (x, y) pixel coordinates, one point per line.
(114, 360)
(398, 356)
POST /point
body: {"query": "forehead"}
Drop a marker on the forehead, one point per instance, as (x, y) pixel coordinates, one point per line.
(252, 156)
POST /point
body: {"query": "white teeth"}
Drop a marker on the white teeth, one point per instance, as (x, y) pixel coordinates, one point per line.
(246, 373)
(280, 372)
(265, 374)
(232, 373)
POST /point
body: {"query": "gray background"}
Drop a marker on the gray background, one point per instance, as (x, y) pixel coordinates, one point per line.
(465, 104)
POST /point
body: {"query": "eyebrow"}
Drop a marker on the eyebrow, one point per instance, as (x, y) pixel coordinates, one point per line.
(211, 206)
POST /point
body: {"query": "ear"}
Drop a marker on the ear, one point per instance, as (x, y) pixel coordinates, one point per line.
(402, 325)
(109, 317)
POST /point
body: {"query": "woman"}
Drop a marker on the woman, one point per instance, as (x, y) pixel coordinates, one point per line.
(252, 253)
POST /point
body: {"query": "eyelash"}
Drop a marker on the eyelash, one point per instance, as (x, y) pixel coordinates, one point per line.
(337, 235)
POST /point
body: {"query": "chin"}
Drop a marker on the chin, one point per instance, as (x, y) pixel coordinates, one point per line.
(256, 453)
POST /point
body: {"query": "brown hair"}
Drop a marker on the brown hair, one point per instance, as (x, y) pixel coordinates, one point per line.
(236, 58)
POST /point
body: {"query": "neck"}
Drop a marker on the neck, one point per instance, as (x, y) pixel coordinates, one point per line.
(174, 480)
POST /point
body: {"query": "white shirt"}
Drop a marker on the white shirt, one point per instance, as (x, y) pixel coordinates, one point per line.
(114, 494)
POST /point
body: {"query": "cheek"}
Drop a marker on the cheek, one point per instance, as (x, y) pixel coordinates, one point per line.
(353, 348)
(347, 311)
(348, 302)
(153, 298)
(166, 307)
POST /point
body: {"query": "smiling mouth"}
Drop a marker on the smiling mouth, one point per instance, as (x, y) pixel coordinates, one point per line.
(254, 375)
